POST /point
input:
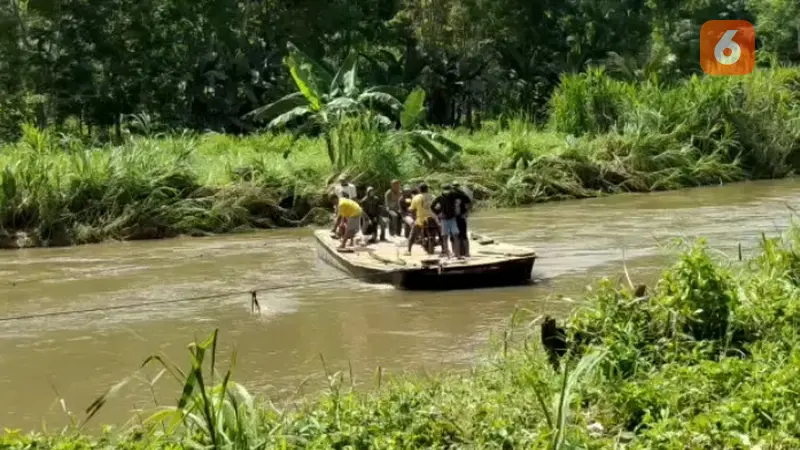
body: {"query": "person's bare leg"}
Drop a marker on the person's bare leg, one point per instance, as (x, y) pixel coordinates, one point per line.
(339, 231)
(336, 213)
(445, 247)
(411, 238)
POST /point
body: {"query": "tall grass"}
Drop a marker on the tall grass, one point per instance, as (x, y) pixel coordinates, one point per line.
(753, 122)
(708, 359)
(604, 136)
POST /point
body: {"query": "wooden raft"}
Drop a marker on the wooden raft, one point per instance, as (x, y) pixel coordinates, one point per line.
(390, 256)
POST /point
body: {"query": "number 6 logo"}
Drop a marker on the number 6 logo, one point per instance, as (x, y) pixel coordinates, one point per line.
(727, 43)
(720, 54)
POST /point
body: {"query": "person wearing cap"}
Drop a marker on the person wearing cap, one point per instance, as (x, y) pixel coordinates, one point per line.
(391, 201)
(371, 205)
(462, 210)
(445, 204)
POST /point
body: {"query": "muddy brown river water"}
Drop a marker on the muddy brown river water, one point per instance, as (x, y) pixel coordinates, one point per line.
(78, 356)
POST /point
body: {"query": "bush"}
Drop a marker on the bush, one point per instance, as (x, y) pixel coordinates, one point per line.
(709, 359)
(605, 136)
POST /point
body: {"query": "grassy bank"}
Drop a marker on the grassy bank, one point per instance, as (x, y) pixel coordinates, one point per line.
(604, 136)
(706, 359)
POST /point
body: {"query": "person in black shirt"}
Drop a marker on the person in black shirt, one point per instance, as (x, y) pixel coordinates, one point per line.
(445, 205)
(462, 211)
(371, 205)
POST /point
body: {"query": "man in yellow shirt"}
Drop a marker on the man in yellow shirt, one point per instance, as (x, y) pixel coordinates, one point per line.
(421, 207)
(349, 220)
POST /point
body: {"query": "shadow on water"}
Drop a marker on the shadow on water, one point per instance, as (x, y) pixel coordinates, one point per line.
(349, 322)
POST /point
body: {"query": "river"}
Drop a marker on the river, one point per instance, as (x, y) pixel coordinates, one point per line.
(349, 323)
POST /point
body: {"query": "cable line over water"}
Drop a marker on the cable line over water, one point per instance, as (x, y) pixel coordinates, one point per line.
(253, 292)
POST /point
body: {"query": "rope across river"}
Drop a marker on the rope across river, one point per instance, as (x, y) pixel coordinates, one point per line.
(252, 292)
(254, 305)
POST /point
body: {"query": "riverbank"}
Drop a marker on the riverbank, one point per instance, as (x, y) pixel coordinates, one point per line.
(603, 137)
(707, 358)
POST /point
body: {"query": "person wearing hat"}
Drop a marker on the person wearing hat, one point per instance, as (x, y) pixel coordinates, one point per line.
(371, 205)
(462, 210)
(445, 204)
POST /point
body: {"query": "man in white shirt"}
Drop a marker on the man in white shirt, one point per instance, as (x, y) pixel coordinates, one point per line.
(345, 186)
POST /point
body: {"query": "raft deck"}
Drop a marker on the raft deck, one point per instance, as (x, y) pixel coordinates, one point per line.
(490, 263)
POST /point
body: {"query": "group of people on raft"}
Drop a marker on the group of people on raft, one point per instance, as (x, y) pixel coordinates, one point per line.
(412, 212)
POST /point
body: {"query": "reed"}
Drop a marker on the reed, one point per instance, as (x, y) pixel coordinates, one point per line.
(604, 136)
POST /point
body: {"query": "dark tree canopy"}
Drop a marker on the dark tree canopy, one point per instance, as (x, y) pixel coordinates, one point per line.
(203, 64)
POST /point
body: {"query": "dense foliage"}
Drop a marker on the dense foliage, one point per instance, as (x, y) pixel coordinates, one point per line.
(707, 359)
(87, 66)
(373, 88)
(603, 136)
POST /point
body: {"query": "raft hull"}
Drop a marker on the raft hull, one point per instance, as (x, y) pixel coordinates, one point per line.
(477, 271)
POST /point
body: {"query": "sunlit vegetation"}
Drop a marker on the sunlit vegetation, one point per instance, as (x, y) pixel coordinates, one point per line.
(126, 120)
(86, 67)
(705, 358)
(130, 120)
(603, 136)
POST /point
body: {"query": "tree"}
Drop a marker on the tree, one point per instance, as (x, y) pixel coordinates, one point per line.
(424, 142)
(324, 100)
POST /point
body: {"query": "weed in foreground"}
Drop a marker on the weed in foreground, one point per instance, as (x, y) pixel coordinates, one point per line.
(707, 359)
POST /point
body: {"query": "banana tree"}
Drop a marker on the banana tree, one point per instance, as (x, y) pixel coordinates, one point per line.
(323, 99)
(430, 147)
